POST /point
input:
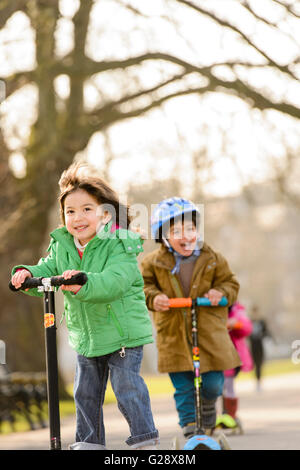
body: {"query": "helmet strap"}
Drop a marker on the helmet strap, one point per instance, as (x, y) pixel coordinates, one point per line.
(166, 242)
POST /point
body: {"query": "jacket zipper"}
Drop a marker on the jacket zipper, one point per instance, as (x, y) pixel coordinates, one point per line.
(110, 313)
(122, 352)
(118, 326)
(83, 315)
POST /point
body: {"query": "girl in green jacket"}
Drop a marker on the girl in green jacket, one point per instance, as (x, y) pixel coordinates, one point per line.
(107, 318)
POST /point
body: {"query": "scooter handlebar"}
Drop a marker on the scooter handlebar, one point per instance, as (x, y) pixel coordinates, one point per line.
(205, 302)
(33, 282)
(179, 302)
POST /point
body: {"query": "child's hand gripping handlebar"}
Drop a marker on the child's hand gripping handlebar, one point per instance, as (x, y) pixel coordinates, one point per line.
(200, 301)
(55, 281)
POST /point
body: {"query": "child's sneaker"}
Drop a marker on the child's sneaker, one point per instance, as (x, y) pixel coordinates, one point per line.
(146, 448)
(86, 446)
(189, 430)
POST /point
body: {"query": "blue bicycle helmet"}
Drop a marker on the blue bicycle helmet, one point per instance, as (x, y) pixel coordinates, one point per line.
(169, 209)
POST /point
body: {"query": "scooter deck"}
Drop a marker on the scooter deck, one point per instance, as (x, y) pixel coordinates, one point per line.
(220, 440)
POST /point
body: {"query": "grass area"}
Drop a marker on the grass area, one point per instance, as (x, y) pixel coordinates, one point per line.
(271, 368)
(157, 385)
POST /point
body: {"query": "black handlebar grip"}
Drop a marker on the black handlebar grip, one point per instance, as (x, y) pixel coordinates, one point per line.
(29, 283)
(33, 282)
(79, 278)
(12, 287)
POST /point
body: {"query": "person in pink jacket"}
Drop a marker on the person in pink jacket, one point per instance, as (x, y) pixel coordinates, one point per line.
(239, 327)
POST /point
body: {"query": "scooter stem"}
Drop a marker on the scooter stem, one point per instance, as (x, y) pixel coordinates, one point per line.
(196, 364)
(52, 369)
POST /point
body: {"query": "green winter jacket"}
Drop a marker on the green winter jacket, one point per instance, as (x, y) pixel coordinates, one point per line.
(109, 312)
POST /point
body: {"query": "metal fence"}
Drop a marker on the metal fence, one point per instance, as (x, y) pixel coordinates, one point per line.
(22, 394)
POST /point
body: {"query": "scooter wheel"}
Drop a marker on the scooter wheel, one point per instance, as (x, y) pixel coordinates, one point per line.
(223, 442)
(175, 443)
(239, 426)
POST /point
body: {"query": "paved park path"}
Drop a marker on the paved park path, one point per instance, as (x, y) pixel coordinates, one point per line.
(271, 420)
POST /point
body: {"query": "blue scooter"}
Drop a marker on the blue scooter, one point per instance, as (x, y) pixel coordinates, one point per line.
(199, 441)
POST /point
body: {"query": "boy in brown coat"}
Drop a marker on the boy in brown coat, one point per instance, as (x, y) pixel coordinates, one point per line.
(185, 267)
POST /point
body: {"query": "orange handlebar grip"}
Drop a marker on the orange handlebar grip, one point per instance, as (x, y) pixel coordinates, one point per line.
(180, 302)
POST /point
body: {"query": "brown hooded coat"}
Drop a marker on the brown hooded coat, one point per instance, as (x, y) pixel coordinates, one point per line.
(173, 327)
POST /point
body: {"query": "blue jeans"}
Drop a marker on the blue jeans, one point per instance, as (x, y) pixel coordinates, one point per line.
(183, 382)
(129, 388)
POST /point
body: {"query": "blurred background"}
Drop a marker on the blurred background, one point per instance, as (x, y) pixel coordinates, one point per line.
(165, 97)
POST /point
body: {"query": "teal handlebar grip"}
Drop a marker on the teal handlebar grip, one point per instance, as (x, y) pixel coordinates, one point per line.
(205, 302)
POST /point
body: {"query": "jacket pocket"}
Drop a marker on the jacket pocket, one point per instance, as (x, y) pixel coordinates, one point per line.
(112, 316)
(72, 318)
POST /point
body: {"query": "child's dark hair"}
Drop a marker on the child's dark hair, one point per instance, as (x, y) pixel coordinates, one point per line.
(191, 216)
(83, 176)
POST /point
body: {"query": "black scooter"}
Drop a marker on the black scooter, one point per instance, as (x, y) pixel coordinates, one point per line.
(47, 286)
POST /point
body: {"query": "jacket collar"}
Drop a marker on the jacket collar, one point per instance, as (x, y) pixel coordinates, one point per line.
(66, 239)
(165, 259)
(62, 235)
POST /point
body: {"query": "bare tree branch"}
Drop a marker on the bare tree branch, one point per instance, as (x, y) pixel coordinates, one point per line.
(269, 23)
(18, 80)
(289, 7)
(111, 114)
(225, 23)
(236, 87)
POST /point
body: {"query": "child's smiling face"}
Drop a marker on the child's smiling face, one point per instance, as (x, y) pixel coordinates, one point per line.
(182, 237)
(82, 215)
